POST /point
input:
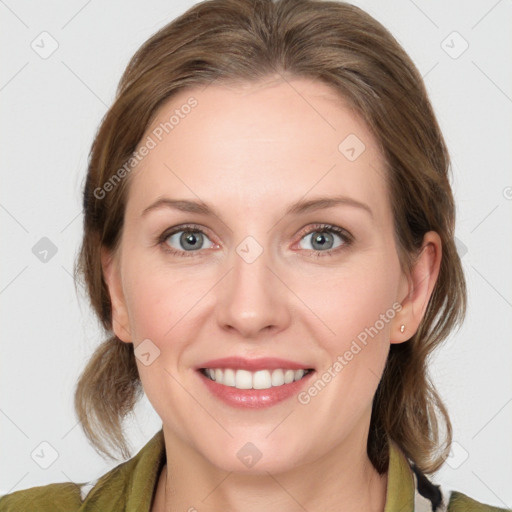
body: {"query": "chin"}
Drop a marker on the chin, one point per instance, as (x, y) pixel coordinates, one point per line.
(255, 458)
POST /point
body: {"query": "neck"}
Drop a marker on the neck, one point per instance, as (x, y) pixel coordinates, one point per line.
(343, 480)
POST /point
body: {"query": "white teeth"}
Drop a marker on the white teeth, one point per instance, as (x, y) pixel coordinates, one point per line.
(243, 379)
(289, 375)
(229, 377)
(277, 378)
(261, 379)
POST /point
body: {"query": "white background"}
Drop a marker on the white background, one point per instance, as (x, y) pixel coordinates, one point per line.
(50, 110)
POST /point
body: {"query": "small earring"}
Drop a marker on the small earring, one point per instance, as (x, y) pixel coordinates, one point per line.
(402, 328)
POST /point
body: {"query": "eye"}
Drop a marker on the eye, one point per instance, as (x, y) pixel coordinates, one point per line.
(322, 240)
(184, 239)
(188, 240)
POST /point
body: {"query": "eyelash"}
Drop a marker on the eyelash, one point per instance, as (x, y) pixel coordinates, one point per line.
(318, 228)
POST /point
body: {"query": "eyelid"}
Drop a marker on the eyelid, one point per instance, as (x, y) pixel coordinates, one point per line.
(161, 240)
(346, 237)
(325, 227)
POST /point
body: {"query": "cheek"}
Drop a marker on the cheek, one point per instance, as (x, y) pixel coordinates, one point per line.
(159, 300)
(358, 308)
(352, 304)
(153, 306)
(354, 353)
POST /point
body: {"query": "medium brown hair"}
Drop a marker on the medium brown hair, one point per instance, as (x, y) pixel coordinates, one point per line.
(248, 41)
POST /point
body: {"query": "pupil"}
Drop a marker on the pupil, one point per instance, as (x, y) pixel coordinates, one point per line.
(321, 239)
(190, 240)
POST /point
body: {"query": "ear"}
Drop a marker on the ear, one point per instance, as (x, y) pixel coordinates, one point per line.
(416, 288)
(112, 274)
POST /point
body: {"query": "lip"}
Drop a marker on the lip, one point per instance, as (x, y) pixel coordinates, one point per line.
(253, 365)
(254, 398)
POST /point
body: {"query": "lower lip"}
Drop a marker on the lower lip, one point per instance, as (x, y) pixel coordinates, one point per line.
(254, 398)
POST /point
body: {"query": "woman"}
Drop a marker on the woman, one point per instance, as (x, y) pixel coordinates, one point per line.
(269, 241)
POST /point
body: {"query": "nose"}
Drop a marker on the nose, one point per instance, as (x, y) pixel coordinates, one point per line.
(252, 300)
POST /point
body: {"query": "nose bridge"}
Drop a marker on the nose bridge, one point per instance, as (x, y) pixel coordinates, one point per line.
(252, 299)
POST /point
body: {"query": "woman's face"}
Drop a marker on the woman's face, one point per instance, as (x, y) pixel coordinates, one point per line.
(249, 275)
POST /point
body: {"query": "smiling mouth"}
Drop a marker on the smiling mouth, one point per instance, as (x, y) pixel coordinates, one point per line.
(261, 379)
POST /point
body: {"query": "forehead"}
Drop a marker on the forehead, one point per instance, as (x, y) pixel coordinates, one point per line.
(246, 144)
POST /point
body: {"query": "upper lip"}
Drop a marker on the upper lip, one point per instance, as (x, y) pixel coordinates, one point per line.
(262, 363)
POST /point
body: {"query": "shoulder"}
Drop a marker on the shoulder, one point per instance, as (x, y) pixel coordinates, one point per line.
(60, 497)
(128, 486)
(459, 502)
(70, 496)
(429, 497)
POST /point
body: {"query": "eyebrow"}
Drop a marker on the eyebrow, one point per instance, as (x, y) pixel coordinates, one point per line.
(298, 208)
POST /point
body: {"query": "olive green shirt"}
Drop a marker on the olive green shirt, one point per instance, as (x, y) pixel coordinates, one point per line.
(131, 486)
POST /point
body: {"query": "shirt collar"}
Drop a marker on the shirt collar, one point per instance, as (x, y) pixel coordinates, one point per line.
(401, 486)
